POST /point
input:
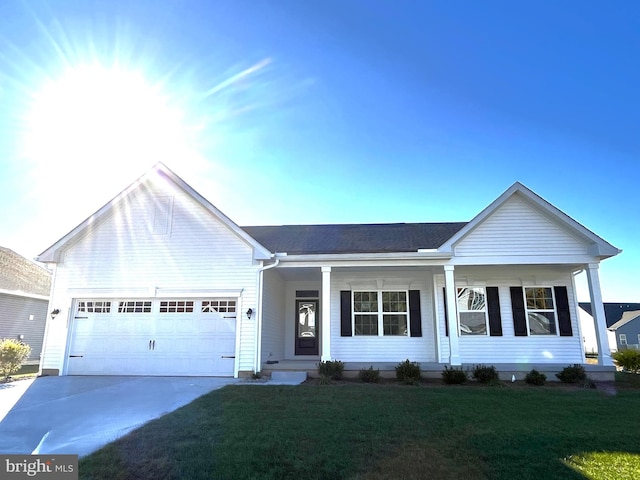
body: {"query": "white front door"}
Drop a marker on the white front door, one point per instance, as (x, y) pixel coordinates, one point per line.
(191, 337)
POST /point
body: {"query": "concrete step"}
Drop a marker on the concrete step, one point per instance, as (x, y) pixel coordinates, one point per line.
(293, 378)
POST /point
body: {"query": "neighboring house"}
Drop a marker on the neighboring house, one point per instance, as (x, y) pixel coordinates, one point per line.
(24, 297)
(617, 315)
(160, 282)
(627, 331)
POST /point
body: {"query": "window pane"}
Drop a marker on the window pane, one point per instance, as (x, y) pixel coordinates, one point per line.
(542, 323)
(365, 302)
(394, 301)
(473, 323)
(395, 325)
(366, 324)
(539, 298)
(133, 306)
(471, 299)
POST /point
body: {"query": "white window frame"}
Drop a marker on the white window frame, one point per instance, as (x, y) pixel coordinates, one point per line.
(485, 310)
(177, 306)
(623, 338)
(130, 306)
(553, 310)
(94, 306)
(218, 305)
(380, 313)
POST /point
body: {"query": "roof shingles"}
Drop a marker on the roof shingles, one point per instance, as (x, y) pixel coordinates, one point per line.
(21, 275)
(353, 238)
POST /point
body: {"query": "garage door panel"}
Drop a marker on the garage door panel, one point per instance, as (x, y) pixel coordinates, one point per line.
(156, 341)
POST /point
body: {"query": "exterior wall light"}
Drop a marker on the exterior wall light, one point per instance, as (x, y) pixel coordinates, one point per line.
(249, 313)
(54, 313)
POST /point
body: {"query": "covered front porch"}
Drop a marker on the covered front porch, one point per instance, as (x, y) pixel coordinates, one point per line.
(301, 319)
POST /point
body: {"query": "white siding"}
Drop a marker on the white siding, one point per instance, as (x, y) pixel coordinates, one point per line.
(273, 322)
(517, 228)
(389, 348)
(508, 348)
(122, 256)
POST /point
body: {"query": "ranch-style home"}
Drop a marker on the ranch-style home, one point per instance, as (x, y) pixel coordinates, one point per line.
(160, 282)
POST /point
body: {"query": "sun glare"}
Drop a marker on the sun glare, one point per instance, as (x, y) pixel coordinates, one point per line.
(95, 114)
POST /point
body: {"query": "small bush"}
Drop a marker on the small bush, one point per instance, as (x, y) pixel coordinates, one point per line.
(331, 369)
(572, 374)
(534, 377)
(454, 376)
(13, 354)
(486, 375)
(408, 372)
(369, 375)
(325, 380)
(628, 360)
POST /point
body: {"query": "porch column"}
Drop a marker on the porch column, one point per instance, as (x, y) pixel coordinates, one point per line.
(452, 315)
(325, 354)
(597, 312)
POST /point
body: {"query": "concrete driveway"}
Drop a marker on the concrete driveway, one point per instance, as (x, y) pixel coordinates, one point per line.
(78, 415)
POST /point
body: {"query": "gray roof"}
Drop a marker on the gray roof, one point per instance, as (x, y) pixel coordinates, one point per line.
(612, 311)
(21, 275)
(353, 238)
(626, 318)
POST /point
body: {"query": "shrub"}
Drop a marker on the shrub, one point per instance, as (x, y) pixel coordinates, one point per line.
(534, 377)
(628, 360)
(12, 355)
(486, 375)
(572, 374)
(408, 372)
(369, 375)
(454, 376)
(325, 380)
(332, 369)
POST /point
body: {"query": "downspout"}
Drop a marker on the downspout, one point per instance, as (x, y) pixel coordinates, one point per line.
(258, 361)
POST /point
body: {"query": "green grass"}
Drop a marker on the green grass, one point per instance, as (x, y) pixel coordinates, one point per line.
(627, 380)
(375, 432)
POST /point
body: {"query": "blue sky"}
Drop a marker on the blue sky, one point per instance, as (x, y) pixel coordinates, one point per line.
(331, 111)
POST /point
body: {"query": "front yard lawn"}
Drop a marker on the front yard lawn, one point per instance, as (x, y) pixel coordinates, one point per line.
(375, 432)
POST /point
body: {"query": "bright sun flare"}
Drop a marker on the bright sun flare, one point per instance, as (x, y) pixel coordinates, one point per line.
(94, 114)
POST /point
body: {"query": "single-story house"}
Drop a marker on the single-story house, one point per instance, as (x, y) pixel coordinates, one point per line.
(616, 315)
(24, 297)
(160, 282)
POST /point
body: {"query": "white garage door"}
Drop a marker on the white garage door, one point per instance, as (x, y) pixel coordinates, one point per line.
(190, 337)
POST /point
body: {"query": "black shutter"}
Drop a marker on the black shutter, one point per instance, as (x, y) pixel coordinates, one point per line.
(345, 313)
(495, 319)
(517, 307)
(564, 315)
(415, 317)
(446, 315)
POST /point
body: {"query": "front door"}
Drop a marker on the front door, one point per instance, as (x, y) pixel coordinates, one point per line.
(307, 327)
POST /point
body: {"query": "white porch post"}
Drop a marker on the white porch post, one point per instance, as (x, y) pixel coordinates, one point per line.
(597, 311)
(452, 315)
(326, 314)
